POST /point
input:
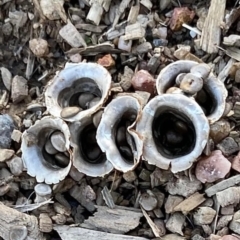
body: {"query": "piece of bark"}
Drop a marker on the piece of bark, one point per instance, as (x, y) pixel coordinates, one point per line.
(227, 183)
(73, 233)
(190, 203)
(133, 14)
(233, 52)
(231, 18)
(94, 50)
(222, 76)
(134, 31)
(108, 197)
(120, 10)
(82, 196)
(228, 196)
(71, 35)
(211, 33)
(45, 223)
(15, 223)
(153, 226)
(95, 13)
(115, 220)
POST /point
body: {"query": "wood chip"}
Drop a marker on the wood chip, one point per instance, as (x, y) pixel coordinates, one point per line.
(134, 31)
(71, 35)
(229, 196)
(12, 219)
(73, 233)
(115, 220)
(153, 226)
(108, 197)
(224, 184)
(211, 32)
(190, 203)
(94, 50)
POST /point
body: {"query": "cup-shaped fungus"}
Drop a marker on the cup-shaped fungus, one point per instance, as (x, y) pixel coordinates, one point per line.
(195, 79)
(78, 91)
(45, 148)
(116, 134)
(174, 130)
(87, 155)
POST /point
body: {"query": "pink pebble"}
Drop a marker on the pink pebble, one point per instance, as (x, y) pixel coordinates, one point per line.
(213, 167)
(144, 81)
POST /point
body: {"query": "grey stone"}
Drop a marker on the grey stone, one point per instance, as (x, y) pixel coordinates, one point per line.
(19, 89)
(6, 129)
(228, 146)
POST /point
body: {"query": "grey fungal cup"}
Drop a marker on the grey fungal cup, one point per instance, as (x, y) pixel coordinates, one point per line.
(116, 134)
(87, 156)
(42, 161)
(174, 130)
(211, 97)
(67, 96)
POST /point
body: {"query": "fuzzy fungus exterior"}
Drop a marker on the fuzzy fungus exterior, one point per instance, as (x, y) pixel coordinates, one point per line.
(172, 103)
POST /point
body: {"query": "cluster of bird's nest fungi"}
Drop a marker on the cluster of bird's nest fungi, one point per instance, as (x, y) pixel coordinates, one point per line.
(97, 131)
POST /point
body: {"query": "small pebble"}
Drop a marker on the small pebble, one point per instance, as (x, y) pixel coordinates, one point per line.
(191, 84)
(61, 160)
(203, 216)
(160, 42)
(144, 81)
(201, 70)
(219, 130)
(16, 135)
(68, 112)
(6, 129)
(213, 167)
(228, 146)
(49, 147)
(58, 141)
(124, 45)
(84, 99)
(94, 102)
(15, 165)
(148, 201)
(130, 176)
(39, 47)
(236, 163)
(5, 154)
(181, 15)
(106, 61)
